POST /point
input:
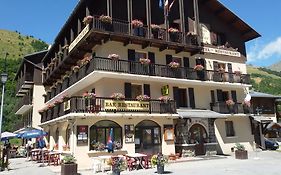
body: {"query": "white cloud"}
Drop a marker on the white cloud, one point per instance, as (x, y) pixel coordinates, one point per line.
(263, 52)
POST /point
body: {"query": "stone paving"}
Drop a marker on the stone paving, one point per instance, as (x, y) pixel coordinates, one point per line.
(259, 163)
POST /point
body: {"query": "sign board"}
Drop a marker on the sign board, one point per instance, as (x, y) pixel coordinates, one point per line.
(221, 51)
(169, 133)
(79, 37)
(66, 105)
(82, 134)
(126, 105)
(165, 90)
(129, 134)
(206, 35)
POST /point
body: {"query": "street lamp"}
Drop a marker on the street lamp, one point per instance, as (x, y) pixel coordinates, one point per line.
(4, 78)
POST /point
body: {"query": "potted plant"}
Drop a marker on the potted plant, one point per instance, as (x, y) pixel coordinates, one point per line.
(246, 106)
(114, 56)
(75, 68)
(118, 164)
(240, 152)
(106, 22)
(198, 67)
(86, 60)
(174, 64)
(65, 147)
(88, 19)
(117, 96)
(174, 34)
(155, 30)
(159, 160)
(145, 61)
(68, 166)
(138, 27)
(164, 98)
(89, 95)
(143, 98)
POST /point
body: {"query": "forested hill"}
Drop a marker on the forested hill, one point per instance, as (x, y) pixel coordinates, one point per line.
(16, 45)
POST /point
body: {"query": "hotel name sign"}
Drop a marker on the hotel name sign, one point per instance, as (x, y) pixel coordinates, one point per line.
(79, 37)
(126, 105)
(221, 51)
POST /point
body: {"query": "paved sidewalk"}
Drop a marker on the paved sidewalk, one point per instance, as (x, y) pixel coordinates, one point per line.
(20, 166)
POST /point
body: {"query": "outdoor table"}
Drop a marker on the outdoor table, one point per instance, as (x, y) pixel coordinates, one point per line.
(35, 154)
(139, 159)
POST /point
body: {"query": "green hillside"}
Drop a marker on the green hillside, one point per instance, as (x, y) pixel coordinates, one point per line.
(265, 80)
(16, 45)
(276, 67)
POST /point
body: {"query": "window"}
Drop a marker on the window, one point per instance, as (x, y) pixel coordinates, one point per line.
(229, 129)
(99, 134)
(136, 90)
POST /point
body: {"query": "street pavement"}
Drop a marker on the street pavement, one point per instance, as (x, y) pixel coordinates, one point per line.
(259, 163)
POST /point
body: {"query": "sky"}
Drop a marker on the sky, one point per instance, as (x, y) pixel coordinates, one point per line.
(44, 19)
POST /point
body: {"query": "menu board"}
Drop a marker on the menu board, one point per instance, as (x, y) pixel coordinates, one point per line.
(169, 133)
(82, 134)
(129, 133)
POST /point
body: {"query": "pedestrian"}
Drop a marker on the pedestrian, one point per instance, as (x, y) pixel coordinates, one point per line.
(28, 146)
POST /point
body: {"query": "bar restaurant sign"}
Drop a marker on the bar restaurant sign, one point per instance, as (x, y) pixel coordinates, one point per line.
(126, 105)
(79, 37)
(221, 51)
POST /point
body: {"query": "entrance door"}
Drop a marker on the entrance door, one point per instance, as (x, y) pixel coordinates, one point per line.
(182, 98)
(147, 138)
(199, 137)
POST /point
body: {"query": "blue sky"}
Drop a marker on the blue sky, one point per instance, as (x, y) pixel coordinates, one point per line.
(43, 19)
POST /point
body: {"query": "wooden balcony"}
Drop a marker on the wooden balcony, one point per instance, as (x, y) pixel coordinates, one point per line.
(23, 85)
(103, 104)
(121, 31)
(237, 108)
(24, 104)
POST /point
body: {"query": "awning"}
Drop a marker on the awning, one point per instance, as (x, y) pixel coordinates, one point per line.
(197, 113)
(262, 119)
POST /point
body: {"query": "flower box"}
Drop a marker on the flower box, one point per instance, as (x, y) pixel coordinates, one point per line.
(75, 68)
(88, 19)
(105, 19)
(117, 96)
(229, 102)
(89, 95)
(198, 67)
(114, 56)
(174, 64)
(143, 98)
(144, 61)
(137, 23)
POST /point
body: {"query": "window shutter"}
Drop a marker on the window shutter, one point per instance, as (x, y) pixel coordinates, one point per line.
(219, 95)
(216, 66)
(234, 96)
(131, 55)
(146, 89)
(186, 62)
(169, 58)
(128, 90)
(151, 56)
(191, 98)
(176, 95)
(229, 66)
(213, 99)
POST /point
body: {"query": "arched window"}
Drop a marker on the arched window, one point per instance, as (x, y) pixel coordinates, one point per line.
(99, 134)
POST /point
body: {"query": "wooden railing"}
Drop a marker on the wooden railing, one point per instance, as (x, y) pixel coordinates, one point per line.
(237, 108)
(22, 80)
(26, 100)
(97, 104)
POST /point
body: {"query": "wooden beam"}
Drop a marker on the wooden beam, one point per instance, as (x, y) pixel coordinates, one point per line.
(232, 21)
(246, 32)
(146, 44)
(163, 47)
(220, 10)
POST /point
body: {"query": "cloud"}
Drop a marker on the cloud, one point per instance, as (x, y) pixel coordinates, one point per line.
(259, 52)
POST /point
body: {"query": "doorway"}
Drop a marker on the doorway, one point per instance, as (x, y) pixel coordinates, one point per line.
(199, 137)
(147, 137)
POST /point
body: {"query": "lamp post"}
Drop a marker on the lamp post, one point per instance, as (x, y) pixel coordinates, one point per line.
(4, 78)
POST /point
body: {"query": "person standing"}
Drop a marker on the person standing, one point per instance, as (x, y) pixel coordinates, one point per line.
(28, 146)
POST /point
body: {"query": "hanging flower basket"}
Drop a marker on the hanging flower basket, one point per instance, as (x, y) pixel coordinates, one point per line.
(143, 98)
(105, 19)
(144, 61)
(117, 96)
(75, 68)
(137, 23)
(88, 20)
(113, 56)
(198, 67)
(174, 64)
(89, 95)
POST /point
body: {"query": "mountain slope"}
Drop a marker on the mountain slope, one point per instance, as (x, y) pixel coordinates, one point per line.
(265, 80)
(16, 45)
(276, 67)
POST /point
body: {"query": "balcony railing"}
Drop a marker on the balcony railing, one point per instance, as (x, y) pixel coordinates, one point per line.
(237, 108)
(102, 104)
(124, 66)
(26, 100)
(22, 81)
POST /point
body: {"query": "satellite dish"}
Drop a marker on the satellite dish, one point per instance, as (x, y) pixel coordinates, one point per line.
(248, 97)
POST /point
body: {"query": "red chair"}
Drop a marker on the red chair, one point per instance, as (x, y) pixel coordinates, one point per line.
(131, 162)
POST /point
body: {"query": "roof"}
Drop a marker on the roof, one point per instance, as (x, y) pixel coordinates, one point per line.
(247, 33)
(262, 95)
(199, 113)
(38, 56)
(261, 119)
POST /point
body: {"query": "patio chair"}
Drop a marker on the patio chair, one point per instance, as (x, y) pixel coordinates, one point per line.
(131, 163)
(96, 164)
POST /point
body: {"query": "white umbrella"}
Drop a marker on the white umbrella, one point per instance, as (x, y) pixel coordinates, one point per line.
(7, 135)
